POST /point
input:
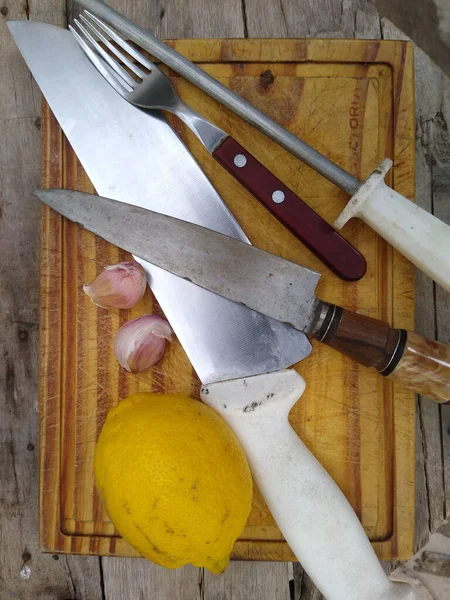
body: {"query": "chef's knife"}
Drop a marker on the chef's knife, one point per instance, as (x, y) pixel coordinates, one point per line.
(136, 157)
(263, 282)
(224, 341)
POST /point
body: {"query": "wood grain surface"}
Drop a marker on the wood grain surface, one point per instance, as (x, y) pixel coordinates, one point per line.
(353, 101)
(25, 572)
(91, 578)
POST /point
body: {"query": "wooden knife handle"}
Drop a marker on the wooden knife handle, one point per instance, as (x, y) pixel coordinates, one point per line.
(420, 364)
(320, 237)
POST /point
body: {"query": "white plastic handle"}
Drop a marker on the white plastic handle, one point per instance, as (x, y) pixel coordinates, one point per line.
(313, 514)
(417, 234)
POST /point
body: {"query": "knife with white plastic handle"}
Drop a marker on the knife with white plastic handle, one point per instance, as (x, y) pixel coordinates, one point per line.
(312, 513)
(416, 233)
(263, 282)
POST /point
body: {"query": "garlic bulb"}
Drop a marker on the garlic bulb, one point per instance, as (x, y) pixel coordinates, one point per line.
(118, 286)
(140, 343)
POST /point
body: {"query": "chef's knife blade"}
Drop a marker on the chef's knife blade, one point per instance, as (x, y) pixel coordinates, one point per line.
(135, 157)
(216, 262)
(261, 281)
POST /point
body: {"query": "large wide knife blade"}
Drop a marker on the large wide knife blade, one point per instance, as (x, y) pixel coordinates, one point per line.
(137, 158)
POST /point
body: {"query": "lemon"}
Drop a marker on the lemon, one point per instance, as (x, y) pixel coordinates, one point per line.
(174, 480)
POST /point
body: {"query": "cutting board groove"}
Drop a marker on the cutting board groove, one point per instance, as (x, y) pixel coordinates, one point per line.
(352, 100)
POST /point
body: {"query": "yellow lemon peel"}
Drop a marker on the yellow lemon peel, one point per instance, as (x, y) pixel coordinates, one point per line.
(174, 480)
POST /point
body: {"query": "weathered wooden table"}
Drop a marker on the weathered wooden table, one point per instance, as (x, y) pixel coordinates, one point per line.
(25, 573)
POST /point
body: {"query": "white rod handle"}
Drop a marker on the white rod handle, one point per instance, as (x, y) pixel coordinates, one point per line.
(313, 514)
(417, 234)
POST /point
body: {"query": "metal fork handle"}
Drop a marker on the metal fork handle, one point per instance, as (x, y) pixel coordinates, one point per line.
(209, 134)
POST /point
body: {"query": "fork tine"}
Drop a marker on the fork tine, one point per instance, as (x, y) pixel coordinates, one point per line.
(98, 63)
(113, 35)
(111, 62)
(136, 70)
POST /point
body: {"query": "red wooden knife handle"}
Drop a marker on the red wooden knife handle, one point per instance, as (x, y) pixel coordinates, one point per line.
(320, 237)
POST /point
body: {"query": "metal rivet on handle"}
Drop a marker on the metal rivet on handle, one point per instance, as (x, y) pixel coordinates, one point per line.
(278, 196)
(240, 160)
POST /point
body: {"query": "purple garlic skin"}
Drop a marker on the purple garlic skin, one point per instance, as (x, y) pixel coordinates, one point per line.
(118, 286)
(140, 343)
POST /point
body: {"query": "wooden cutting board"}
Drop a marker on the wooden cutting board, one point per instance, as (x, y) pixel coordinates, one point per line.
(353, 101)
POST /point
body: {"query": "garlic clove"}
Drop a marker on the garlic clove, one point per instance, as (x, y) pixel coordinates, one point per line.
(140, 343)
(118, 286)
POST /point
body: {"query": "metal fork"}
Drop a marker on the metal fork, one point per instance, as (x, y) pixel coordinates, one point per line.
(153, 90)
